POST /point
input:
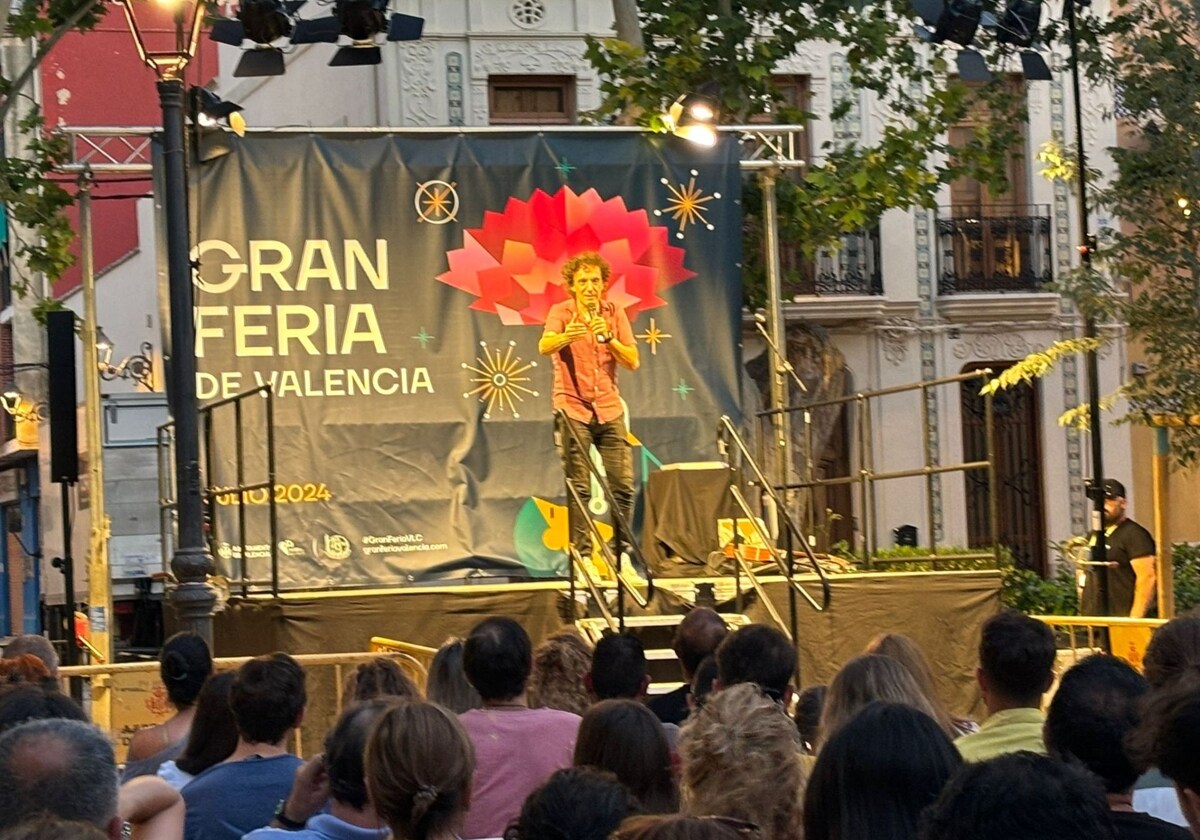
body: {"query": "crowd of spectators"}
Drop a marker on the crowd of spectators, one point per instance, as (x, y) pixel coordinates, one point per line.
(562, 742)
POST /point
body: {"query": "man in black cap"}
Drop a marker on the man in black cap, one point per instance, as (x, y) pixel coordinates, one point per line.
(1131, 581)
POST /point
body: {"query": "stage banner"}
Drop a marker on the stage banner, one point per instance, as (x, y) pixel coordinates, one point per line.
(390, 291)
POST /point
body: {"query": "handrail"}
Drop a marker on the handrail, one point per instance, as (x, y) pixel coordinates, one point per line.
(614, 563)
(578, 566)
(621, 524)
(776, 555)
(726, 430)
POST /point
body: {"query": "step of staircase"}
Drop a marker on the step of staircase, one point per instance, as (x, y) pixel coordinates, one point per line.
(656, 633)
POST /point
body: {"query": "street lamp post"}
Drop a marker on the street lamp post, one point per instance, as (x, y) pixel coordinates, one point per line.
(191, 563)
(1091, 357)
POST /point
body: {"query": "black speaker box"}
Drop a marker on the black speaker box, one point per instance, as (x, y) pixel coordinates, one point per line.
(64, 434)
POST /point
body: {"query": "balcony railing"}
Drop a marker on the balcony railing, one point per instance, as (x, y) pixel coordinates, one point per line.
(852, 269)
(996, 249)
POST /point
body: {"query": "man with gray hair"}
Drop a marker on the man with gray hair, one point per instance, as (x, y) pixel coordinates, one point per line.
(67, 769)
(38, 646)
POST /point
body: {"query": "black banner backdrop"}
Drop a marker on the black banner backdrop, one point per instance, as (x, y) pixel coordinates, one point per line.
(391, 290)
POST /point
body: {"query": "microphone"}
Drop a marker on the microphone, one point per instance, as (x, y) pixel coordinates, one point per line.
(603, 338)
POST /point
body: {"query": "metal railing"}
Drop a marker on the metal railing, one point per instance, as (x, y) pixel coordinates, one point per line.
(994, 249)
(414, 659)
(789, 532)
(854, 268)
(1084, 635)
(621, 527)
(865, 477)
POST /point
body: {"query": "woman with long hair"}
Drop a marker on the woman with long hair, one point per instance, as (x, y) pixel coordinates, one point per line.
(909, 654)
(625, 738)
(419, 767)
(213, 736)
(560, 664)
(865, 679)
(184, 664)
(447, 684)
(876, 773)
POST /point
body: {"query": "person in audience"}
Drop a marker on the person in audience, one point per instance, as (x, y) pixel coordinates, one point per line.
(1016, 667)
(810, 703)
(213, 736)
(1095, 707)
(516, 747)
(579, 803)
(866, 679)
(446, 684)
(560, 667)
(761, 655)
(1169, 739)
(333, 781)
(25, 702)
(242, 793)
(39, 646)
(184, 664)
(676, 827)
(66, 769)
(909, 654)
(24, 670)
(696, 637)
(380, 677)
(741, 758)
(1020, 796)
(52, 828)
(419, 764)
(1173, 652)
(703, 683)
(625, 738)
(876, 774)
(618, 668)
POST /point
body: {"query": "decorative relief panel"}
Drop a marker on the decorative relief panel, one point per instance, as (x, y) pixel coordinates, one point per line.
(532, 57)
(418, 86)
(528, 14)
(1009, 345)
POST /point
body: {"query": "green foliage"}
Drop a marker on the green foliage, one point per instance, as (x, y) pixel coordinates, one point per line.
(38, 204)
(1186, 562)
(1153, 253)
(1036, 365)
(729, 49)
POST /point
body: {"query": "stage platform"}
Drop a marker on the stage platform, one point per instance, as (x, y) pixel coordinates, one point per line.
(942, 611)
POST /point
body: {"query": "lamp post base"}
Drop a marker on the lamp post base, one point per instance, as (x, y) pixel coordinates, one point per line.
(194, 598)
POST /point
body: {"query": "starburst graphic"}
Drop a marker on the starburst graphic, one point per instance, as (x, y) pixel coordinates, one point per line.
(512, 264)
(499, 380)
(436, 202)
(423, 338)
(683, 389)
(686, 205)
(565, 168)
(653, 336)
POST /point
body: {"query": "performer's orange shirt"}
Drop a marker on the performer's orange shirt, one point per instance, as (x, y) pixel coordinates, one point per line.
(585, 371)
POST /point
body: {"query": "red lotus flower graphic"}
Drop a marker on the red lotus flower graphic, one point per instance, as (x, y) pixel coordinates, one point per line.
(511, 264)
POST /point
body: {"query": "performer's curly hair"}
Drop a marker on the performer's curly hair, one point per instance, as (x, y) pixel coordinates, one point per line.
(579, 261)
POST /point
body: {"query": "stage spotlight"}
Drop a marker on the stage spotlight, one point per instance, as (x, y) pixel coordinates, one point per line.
(693, 117)
(972, 67)
(1034, 67)
(1019, 23)
(263, 22)
(362, 22)
(208, 110)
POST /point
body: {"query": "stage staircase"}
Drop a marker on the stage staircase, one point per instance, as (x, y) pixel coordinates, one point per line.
(656, 633)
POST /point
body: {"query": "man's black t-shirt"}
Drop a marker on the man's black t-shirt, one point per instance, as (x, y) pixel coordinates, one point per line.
(1126, 542)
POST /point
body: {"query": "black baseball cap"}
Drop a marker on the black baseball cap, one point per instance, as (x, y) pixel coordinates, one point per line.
(1113, 489)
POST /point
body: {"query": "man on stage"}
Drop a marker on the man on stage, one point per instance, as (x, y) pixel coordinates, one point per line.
(587, 337)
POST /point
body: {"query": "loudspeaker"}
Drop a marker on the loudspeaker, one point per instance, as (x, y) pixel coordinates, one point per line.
(64, 435)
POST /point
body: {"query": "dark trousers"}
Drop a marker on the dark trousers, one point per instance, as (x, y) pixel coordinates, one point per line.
(617, 458)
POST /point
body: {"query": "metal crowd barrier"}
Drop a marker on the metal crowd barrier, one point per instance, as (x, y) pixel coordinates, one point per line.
(135, 697)
(1084, 635)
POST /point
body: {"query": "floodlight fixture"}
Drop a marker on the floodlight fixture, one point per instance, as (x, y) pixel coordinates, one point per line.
(1019, 24)
(972, 67)
(693, 117)
(364, 23)
(264, 23)
(209, 110)
(1034, 67)
(958, 22)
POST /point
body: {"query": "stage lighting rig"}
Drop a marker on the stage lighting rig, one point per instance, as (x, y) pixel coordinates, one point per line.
(364, 24)
(1018, 27)
(264, 23)
(207, 110)
(956, 21)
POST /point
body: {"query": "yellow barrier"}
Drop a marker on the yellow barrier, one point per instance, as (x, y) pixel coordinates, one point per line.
(136, 697)
(1127, 637)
